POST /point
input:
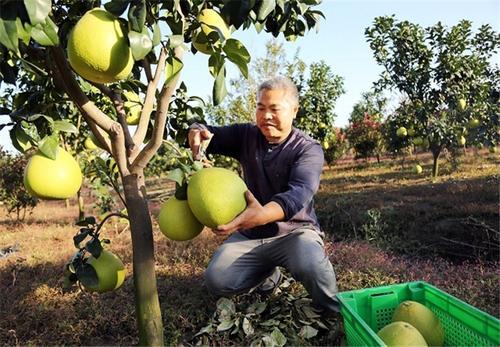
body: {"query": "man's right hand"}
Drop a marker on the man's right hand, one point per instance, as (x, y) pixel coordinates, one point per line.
(198, 141)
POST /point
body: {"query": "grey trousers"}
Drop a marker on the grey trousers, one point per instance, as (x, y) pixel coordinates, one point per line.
(241, 264)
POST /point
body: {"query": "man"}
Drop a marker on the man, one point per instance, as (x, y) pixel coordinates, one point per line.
(281, 167)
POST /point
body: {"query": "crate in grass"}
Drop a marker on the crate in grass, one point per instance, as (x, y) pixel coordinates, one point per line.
(366, 311)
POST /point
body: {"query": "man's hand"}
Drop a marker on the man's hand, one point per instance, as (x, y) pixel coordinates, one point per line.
(254, 215)
(198, 140)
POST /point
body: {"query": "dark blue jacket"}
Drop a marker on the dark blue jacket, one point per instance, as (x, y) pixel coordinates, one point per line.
(287, 173)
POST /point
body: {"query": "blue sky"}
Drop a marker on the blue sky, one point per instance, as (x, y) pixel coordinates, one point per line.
(340, 42)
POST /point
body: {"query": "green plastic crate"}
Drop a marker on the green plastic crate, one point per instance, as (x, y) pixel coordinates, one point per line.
(366, 311)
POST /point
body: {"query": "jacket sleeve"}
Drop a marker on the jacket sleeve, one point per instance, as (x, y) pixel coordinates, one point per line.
(303, 181)
(227, 140)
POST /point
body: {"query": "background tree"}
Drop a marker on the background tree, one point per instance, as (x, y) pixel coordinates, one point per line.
(12, 192)
(365, 136)
(373, 103)
(446, 74)
(318, 95)
(33, 58)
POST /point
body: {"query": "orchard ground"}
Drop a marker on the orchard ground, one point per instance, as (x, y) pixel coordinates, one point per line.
(385, 224)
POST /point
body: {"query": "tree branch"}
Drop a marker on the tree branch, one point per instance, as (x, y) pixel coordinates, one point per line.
(142, 127)
(94, 117)
(116, 97)
(161, 118)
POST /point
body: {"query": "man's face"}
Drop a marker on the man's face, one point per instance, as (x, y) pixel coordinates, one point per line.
(275, 113)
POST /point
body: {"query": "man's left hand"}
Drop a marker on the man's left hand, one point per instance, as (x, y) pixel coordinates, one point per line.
(254, 215)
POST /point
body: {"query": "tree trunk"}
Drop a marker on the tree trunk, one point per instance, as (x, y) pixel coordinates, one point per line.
(435, 166)
(81, 206)
(147, 304)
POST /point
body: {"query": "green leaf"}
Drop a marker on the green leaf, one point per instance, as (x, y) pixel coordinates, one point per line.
(238, 54)
(219, 91)
(78, 238)
(215, 63)
(226, 306)
(20, 139)
(87, 275)
(308, 332)
(278, 337)
(225, 325)
(137, 16)
(23, 31)
(38, 10)
(8, 27)
(176, 175)
(176, 40)
(247, 327)
(49, 146)
(65, 126)
(117, 7)
(94, 247)
(45, 33)
(236, 12)
(140, 43)
(172, 68)
(156, 34)
(181, 191)
(265, 8)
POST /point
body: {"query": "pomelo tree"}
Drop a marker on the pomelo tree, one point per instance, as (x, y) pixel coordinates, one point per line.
(52, 59)
(447, 75)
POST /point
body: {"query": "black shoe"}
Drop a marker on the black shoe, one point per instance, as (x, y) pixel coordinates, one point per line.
(270, 284)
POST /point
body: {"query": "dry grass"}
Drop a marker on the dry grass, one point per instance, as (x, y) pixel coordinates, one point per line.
(36, 311)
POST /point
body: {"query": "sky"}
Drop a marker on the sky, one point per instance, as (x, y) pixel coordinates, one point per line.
(340, 43)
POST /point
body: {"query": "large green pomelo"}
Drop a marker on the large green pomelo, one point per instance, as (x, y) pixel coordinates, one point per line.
(177, 222)
(423, 319)
(216, 196)
(46, 178)
(98, 50)
(401, 334)
(110, 272)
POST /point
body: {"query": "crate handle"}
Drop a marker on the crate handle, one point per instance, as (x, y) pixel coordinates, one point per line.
(382, 294)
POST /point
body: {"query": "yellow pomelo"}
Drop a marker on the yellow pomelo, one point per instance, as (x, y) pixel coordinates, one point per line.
(53, 179)
(423, 319)
(97, 48)
(177, 222)
(462, 104)
(209, 19)
(462, 141)
(401, 132)
(110, 272)
(90, 143)
(401, 334)
(216, 196)
(418, 141)
(417, 169)
(133, 107)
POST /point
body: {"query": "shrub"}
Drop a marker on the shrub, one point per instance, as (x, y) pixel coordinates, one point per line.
(12, 192)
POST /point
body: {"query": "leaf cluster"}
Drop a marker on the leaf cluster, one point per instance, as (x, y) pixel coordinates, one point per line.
(284, 318)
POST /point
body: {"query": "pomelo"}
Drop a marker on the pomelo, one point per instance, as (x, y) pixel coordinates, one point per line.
(97, 48)
(401, 132)
(209, 20)
(216, 196)
(110, 272)
(401, 334)
(177, 222)
(423, 319)
(46, 178)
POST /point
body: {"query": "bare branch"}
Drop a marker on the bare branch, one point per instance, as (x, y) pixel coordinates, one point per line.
(116, 97)
(161, 118)
(142, 127)
(147, 69)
